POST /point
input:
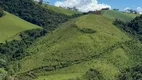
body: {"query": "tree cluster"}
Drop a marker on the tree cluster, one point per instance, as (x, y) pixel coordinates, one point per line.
(1, 12)
(16, 49)
(131, 11)
(133, 73)
(133, 27)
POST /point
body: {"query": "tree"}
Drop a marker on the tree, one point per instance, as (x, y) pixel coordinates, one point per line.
(40, 1)
(116, 9)
(1, 12)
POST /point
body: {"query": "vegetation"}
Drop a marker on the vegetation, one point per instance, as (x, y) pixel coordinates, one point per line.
(11, 26)
(12, 51)
(76, 48)
(31, 12)
(133, 27)
(92, 74)
(61, 10)
(89, 47)
(134, 73)
(113, 14)
(1, 12)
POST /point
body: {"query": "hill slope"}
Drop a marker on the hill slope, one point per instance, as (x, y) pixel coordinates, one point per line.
(11, 25)
(61, 10)
(119, 15)
(77, 46)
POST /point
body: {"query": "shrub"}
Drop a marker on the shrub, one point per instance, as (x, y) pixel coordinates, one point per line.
(93, 74)
(86, 30)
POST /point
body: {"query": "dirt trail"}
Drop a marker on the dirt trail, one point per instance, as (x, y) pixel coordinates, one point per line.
(105, 13)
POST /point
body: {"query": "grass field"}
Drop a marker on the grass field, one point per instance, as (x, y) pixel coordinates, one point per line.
(10, 26)
(119, 15)
(68, 44)
(108, 64)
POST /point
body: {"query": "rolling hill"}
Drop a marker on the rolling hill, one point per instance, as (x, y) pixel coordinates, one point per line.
(61, 10)
(77, 46)
(126, 17)
(11, 25)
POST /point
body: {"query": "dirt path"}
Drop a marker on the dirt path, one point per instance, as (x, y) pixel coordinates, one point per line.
(105, 13)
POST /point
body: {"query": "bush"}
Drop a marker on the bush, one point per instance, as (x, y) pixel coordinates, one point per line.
(86, 30)
(93, 74)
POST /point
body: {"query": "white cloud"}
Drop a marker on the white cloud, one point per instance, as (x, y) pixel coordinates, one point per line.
(82, 5)
(139, 9)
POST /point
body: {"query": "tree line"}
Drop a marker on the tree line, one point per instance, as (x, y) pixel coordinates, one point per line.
(133, 27)
(33, 12)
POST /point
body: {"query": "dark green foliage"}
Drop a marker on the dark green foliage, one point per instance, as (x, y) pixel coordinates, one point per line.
(32, 12)
(86, 30)
(134, 73)
(16, 49)
(136, 25)
(93, 74)
(1, 12)
(133, 27)
(40, 1)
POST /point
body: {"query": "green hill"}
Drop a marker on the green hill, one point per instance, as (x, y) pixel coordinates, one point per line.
(79, 47)
(75, 47)
(61, 10)
(11, 25)
(119, 15)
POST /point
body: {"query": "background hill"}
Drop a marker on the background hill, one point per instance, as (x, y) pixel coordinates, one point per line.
(10, 26)
(61, 10)
(112, 14)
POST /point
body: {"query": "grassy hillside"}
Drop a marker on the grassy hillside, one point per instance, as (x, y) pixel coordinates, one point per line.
(11, 25)
(119, 15)
(104, 64)
(77, 46)
(61, 10)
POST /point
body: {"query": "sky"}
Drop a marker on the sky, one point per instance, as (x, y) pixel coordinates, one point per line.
(97, 4)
